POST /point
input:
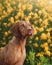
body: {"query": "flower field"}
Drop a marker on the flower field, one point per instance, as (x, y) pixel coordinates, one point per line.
(39, 13)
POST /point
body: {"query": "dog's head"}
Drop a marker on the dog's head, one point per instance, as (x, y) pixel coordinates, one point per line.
(22, 29)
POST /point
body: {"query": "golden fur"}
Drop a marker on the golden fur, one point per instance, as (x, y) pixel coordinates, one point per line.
(14, 52)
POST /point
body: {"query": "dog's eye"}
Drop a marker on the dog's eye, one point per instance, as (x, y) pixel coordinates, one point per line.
(23, 25)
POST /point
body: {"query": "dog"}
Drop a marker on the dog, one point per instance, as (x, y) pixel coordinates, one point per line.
(14, 53)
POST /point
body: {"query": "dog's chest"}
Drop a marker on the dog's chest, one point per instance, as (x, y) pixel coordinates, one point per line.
(20, 52)
(20, 55)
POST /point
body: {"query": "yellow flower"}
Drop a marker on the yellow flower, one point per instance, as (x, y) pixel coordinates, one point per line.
(6, 33)
(35, 16)
(36, 21)
(43, 36)
(29, 7)
(35, 31)
(19, 5)
(49, 40)
(4, 43)
(37, 28)
(33, 26)
(45, 16)
(12, 20)
(1, 48)
(39, 63)
(31, 13)
(51, 45)
(24, 7)
(30, 41)
(9, 32)
(40, 20)
(18, 0)
(16, 17)
(35, 44)
(29, 17)
(8, 5)
(41, 29)
(48, 53)
(0, 29)
(31, 37)
(44, 45)
(9, 10)
(45, 22)
(37, 38)
(46, 48)
(40, 54)
(13, 2)
(9, 24)
(49, 29)
(4, 24)
(1, 5)
(5, 13)
(3, 16)
(20, 14)
(44, 11)
(50, 18)
(48, 35)
(1, 12)
(39, 12)
(26, 18)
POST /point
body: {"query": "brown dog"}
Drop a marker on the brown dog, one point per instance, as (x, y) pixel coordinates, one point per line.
(14, 53)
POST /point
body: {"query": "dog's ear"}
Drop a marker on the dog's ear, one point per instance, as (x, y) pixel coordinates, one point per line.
(15, 29)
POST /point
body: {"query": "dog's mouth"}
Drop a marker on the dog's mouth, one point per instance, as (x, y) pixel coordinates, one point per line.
(30, 33)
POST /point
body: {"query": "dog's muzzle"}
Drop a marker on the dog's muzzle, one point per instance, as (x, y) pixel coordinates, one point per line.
(30, 32)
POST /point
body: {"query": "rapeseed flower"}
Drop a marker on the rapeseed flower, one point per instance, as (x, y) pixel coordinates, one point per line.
(35, 44)
(43, 36)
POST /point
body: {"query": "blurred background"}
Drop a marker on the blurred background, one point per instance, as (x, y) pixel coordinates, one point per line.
(39, 13)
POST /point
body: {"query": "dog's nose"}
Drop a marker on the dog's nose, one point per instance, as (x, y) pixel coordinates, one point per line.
(29, 29)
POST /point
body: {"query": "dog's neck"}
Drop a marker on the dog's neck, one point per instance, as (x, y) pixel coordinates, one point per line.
(20, 41)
